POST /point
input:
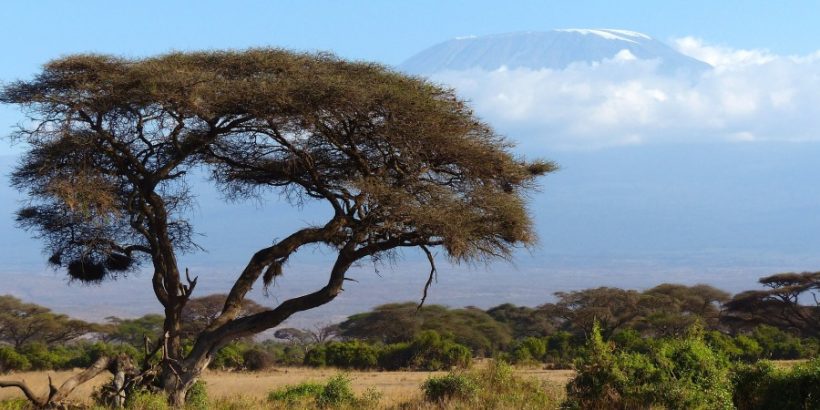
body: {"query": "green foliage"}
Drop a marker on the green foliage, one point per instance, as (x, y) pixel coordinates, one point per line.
(402, 322)
(16, 404)
(762, 386)
(296, 394)
(431, 351)
(524, 321)
(599, 380)
(316, 357)
(352, 354)
(450, 386)
(145, 400)
(492, 387)
(11, 360)
(132, 331)
(197, 396)
(43, 358)
(230, 356)
(335, 393)
(427, 351)
(528, 350)
(675, 374)
(779, 345)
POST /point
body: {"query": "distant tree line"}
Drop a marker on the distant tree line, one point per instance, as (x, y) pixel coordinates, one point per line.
(778, 322)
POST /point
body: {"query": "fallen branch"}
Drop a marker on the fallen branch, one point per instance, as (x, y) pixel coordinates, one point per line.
(56, 396)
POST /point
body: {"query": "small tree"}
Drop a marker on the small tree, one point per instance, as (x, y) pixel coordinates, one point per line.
(400, 162)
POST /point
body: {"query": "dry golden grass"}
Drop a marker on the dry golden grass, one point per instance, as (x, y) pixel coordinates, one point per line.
(396, 387)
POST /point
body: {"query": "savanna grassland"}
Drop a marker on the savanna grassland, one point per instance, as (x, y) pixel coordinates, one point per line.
(242, 389)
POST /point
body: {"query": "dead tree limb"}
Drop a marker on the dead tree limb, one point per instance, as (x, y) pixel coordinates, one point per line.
(57, 396)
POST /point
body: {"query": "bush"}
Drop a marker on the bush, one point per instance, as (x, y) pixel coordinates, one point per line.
(529, 349)
(493, 387)
(145, 400)
(41, 358)
(316, 357)
(297, 394)
(675, 374)
(197, 397)
(560, 350)
(256, 359)
(15, 404)
(431, 351)
(11, 360)
(354, 354)
(441, 388)
(779, 345)
(229, 357)
(335, 393)
(762, 386)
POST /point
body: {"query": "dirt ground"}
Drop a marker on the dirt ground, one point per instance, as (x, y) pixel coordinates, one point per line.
(396, 387)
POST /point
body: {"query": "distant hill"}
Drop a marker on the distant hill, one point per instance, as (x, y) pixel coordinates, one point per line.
(554, 49)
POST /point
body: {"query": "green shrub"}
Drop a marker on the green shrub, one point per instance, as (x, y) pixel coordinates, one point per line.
(15, 404)
(561, 351)
(599, 381)
(430, 351)
(779, 345)
(41, 358)
(675, 374)
(197, 396)
(528, 350)
(145, 400)
(762, 386)
(353, 354)
(316, 357)
(11, 360)
(441, 388)
(297, 394)
(335, 393)
(231, 356)
(492, 387)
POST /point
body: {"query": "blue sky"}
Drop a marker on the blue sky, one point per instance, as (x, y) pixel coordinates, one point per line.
(386, 31)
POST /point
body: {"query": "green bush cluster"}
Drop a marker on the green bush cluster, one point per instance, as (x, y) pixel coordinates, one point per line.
(557, 350)
(39, 356)
(675, 374)
(492, 387)
(247, 355)
(333, 394)
(427, 351)
(763, 386)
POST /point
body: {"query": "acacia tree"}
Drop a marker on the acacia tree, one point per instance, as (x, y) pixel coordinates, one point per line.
(401, 162)
(22, 323)
(789, 302)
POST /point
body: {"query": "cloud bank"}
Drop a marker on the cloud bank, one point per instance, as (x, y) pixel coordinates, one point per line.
(749, 95)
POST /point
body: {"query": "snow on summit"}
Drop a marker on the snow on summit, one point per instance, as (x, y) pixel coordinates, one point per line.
(609, 34)
(554, 49)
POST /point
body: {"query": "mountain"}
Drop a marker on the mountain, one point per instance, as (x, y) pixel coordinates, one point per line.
(553, 49)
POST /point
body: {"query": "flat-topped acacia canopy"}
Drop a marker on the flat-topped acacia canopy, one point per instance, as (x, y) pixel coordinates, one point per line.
(402, 163)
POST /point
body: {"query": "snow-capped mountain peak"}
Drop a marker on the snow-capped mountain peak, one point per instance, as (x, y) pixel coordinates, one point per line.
(554, 49)
(609, 34)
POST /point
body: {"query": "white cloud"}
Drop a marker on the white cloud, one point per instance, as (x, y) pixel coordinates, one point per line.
(722, 57)
(751, 95)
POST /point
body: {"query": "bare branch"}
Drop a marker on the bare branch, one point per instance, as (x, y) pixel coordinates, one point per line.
(430, 278)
